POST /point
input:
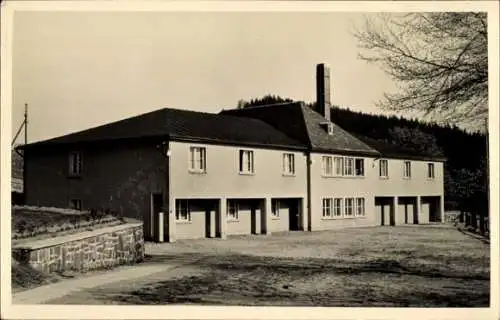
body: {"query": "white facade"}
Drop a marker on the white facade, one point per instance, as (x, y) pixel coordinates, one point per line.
(246, 183)
(369, 186)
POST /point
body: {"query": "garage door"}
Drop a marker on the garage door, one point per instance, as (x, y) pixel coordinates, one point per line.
(383, 214)
(424, 213)
(410, 213)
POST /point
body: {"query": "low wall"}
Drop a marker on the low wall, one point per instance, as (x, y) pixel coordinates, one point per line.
(101, 248)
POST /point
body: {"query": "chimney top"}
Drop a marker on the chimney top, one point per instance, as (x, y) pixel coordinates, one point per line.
(323, 90)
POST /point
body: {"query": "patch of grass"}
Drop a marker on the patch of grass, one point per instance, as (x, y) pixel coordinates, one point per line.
(25, 277)
(29, 222)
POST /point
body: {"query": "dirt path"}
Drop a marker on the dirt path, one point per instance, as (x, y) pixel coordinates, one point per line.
(60, 289)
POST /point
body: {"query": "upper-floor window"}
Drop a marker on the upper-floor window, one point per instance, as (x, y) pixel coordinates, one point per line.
(232, 210)
(337, 207)
(349, 207)
(327, 207)
(338, 163)
(275, 208)
(328, 127)
(197, 159)
(383, 168)
(246, 161)
(348, 166)
(327, 166)
(182, 212)
(75, 163)
(407, 169)
(430, 170)
(288, 164)
(360, 206)
(360, 167)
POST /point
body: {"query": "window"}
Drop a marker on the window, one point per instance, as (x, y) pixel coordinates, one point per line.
(182, 212)
(339, 165)
(360, 206)
(327, 208)
(197, 159)
(75, 164)
(232, 210)
(246, 161)
(329, 129)
(337, 207)
(348, 166)
(275, 208)
(288, 164)
(383, 168)
(407, 169)
(349, 207)
(327, 166)
(360, 167)
(75, 204)
(430, 170)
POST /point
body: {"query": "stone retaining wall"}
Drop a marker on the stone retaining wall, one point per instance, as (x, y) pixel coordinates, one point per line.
(101, 248)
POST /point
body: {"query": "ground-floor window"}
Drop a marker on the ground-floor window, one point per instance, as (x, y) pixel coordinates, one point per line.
(343, 207)
(349, 207)
(182, 212)
(360, 206)
(75, 204)
(337, 207)
(327, 207)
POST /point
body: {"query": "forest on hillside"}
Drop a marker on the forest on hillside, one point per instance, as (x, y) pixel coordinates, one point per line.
(466, 168)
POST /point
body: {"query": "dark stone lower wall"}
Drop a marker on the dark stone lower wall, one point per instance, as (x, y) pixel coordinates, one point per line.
(104, 250)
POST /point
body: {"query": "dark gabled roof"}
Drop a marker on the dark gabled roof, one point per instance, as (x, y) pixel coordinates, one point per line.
(286, 117)
(392, 150)
(17, 164)
(304, 124)
(184, 125)
(339, 141)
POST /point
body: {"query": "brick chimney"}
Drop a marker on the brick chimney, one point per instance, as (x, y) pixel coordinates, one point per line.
(323, 90)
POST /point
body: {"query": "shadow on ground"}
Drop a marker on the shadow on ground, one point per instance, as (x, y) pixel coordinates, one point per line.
(237, 279)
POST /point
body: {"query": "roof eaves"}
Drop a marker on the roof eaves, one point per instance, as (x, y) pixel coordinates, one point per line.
(414, 157)
(347, 151)
(185, 138)
(53, 142)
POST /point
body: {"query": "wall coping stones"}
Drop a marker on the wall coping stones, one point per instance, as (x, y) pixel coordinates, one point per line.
(27, 244)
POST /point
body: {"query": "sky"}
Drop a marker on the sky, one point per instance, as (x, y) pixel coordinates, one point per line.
(77, 70)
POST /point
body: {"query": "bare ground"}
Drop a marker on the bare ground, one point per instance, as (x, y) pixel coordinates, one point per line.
(396, 267)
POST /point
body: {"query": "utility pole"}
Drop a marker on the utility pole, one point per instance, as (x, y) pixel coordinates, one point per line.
(25, 124)
(24, 152)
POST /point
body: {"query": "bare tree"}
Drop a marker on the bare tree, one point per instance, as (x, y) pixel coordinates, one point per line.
(439, 61)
